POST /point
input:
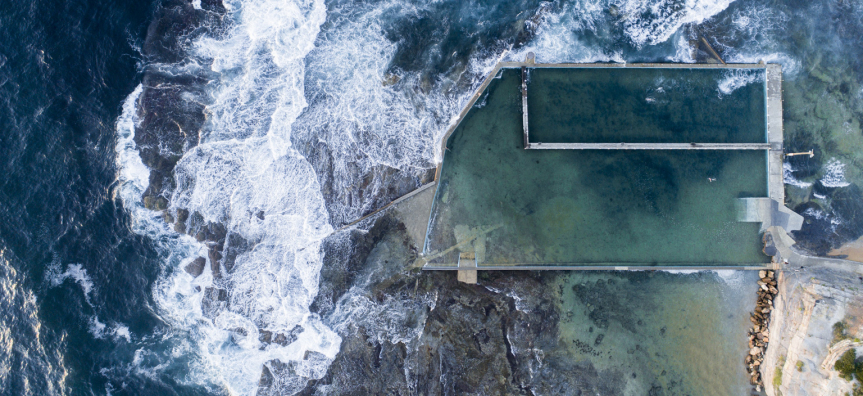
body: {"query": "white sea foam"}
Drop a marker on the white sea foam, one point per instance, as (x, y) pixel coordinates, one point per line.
(788, 177)
(682, 272)
(790, 65)
(557, 35)
(819, 214)
(76, 272)
(755, 26)
(116, 331)
(392, 320)
(683, 50)
(655, 22)
(755, 21)
(834, 174)
(217, 357)
(738, 78)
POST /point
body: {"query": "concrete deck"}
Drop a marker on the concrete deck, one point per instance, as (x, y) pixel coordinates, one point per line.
(776, 185)
(768, 212)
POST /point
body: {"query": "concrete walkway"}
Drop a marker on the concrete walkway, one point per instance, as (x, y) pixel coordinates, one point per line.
(783, 244)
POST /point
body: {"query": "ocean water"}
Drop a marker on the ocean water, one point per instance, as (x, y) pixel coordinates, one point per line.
(139, 136)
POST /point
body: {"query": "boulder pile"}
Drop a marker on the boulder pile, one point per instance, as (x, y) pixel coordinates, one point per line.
(759, 335)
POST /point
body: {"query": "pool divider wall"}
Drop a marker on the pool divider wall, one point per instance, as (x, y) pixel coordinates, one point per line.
(523, 107)
(648, 146)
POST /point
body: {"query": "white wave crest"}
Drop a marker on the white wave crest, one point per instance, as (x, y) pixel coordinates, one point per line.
(834, 174)
(788, 177)
(77, 273)
(790, 65)
(101, 330)
(655, 22)
(738, 78)
(819, 214)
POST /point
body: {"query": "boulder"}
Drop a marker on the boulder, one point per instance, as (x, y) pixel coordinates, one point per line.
(196, 267)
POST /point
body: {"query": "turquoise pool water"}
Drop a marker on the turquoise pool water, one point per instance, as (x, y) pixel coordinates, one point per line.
(587, 207)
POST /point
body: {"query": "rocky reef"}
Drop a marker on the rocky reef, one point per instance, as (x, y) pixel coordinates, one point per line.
(172, 105)
(435, 335)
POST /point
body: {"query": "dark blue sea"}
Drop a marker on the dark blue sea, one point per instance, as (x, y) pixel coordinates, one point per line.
(174, 175)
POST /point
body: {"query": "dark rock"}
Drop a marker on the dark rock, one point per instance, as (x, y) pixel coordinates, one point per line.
(215, 256)
(180, 225)
(280, 371)
(283, 339)
(379, 184)
(176, 22)
(172, 103)
(265, 336)
(474, 338)
(819, 234)
(215, 299)
(196, 267)
(234, 246)
(267, 378)
(604, 303)
(345, 256)
(169, 126)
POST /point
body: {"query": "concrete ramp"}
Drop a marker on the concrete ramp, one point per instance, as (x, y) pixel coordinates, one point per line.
(768, 212)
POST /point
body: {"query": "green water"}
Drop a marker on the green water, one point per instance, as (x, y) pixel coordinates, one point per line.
(664, 333)
(611, 105)
(587, 207)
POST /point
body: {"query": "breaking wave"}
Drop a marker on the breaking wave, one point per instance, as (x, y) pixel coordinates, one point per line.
(245, 175)
(834, 174)
(819, 214)
(738, 78)
(788, 177)
(655, 22)
(77, 273)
